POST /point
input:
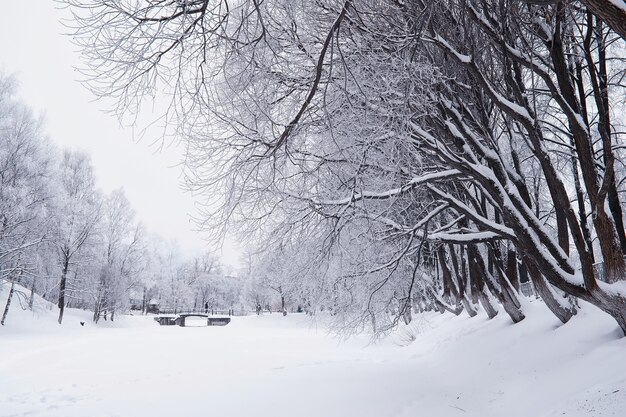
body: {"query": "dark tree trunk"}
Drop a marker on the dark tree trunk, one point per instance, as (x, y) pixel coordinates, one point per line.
(478, 287)
(601, 94)
(407, 314)
(449, 288)
(504, 295)
(582, 212)
(611, 13)
(62, 287)
(96, 310)
(486, 303)
(144, 302)
(467, 276)
(563, 309)
(511, 268)
(8, 304)
(471, 311)
(443, 306)
(31, 299)
(282, 305)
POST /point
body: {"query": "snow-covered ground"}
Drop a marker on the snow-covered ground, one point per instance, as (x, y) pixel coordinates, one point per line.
(274, 366)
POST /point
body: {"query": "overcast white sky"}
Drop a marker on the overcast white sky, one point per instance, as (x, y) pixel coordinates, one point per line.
(33, 48)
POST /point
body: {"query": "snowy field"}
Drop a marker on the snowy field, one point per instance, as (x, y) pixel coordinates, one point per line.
(284, 366)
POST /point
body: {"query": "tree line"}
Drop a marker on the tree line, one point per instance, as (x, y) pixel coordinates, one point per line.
(391, 156)
(64, 240)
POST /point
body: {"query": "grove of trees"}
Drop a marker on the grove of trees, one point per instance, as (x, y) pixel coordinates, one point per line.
(66, 241)
(392, 156)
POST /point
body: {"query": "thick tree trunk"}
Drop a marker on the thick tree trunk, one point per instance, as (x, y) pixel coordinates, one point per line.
(601, 94)
(449, 287)
(509, 295)
(511, 268)
(615, 207)
(611, 13)
(509, 292)
(466, 276)
(582, 212)
(478, 287)
(471, 311)
(469, 308)
(614, 266)
(563, 309)
(504, 294)
(612, 304)
(486, 303)
(443, 306)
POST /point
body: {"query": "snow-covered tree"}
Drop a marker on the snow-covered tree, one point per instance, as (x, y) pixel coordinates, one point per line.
(78, 212)
(25, 175)
(120, 257)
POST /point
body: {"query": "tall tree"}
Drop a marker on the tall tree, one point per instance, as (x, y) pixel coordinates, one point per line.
(120, 258)
(79, 211)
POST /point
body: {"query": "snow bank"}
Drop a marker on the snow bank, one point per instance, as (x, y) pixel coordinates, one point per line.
(535, 368)
(44, 315)
(42, 318)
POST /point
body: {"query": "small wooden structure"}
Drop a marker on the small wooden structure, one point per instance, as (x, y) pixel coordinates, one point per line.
(166, 320)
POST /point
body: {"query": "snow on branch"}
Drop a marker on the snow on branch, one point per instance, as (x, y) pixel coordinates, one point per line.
(504, 231)
(383, 195)
(513, 109)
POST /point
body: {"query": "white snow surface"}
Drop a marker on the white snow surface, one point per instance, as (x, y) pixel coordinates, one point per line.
(274, 366)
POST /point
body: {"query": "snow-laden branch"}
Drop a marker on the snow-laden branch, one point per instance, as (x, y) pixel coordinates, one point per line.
(492, 226)
(464, 238)
(394, 192)
(509, 107)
